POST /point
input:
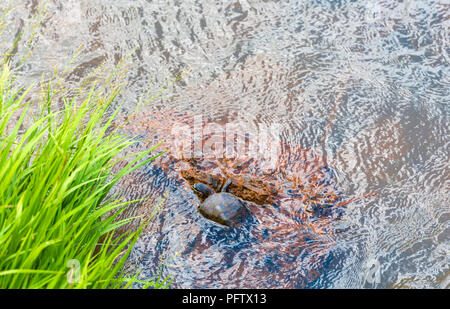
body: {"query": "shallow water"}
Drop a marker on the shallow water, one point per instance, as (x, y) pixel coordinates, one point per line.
(365, 84)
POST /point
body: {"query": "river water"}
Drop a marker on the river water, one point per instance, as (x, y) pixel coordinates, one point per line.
(363, 84)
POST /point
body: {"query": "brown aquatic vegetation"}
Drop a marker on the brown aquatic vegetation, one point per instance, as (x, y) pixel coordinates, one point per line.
(300, 182)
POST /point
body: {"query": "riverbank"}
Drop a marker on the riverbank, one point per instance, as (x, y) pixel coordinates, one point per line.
(55, 177)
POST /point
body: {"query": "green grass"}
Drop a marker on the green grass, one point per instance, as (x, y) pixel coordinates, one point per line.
(55, 175)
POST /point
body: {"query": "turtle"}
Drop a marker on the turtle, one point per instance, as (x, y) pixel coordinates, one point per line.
(223, 207)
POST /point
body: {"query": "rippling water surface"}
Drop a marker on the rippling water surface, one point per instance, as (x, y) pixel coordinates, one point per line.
(363, 84)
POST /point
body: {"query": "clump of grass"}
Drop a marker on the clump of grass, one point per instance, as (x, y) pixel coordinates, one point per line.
(55, 175)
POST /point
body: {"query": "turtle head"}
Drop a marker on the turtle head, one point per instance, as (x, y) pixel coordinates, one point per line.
(226, 185)
(202, 190)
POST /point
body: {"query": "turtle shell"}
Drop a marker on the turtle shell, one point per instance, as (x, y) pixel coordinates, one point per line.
(224, 208)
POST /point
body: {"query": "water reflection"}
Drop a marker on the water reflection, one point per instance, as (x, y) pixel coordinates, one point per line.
(363, 84)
